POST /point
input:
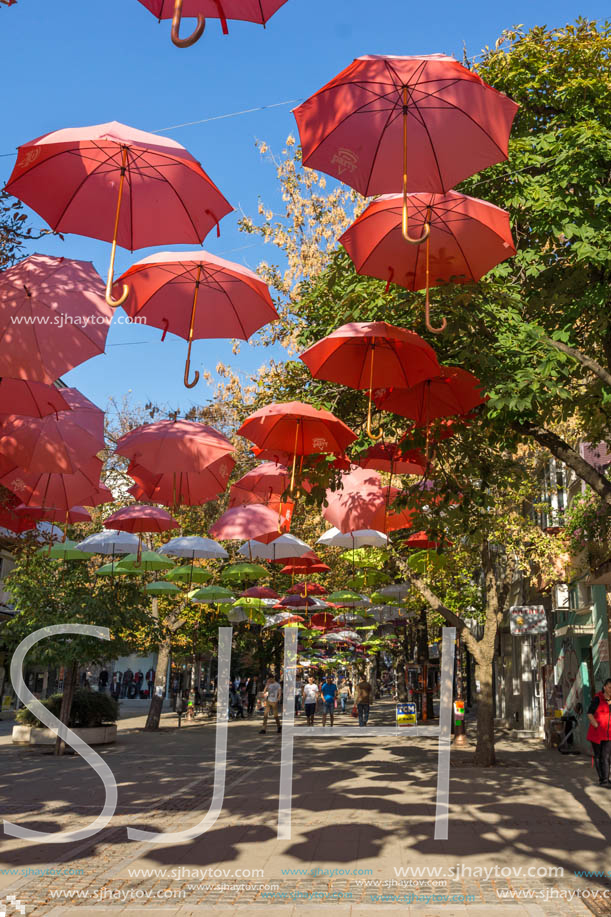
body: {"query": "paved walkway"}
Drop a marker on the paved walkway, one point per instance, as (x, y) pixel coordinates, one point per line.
(362, 838)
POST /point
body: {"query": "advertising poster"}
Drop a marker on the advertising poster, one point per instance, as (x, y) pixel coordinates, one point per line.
(304, 375)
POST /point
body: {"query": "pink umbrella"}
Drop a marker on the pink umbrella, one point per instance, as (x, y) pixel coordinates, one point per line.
(166, 288)
(243, 523)
(100, 496)
(259, 592)
(392, 458)
(61, 491)
(74, 514)
(264, 484)
(181, 488)
(52, 317)
(121, 185)
(363, 503)
(174, 446)
(30, 399)
(140, 519)
(247, 10)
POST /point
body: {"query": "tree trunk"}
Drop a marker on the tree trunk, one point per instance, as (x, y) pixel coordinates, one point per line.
(70, 681)
(161, 675)
(484, 750)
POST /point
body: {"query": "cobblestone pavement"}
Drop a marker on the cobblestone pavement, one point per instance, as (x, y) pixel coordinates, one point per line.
(362, 809)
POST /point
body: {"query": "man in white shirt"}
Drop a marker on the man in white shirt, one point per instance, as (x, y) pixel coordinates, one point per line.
(310, 696)
(272, 695)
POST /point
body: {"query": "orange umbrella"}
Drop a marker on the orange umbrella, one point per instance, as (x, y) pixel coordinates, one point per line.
(454, 392)
(243, 523)
(60, 491)
(174, 446)
(181, 488)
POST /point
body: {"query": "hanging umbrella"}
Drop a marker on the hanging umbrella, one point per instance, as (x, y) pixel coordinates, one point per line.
(64, 319)
(66, 550)
(264, 484)
(308, 564)
(260, 592)
(118, 184)
(59, 443)
(188, 574)
(145, 561)
(333, 538)
(160, 587)
(194, 546)
(141, 519)
(100, 496)
(14, 517)
(396, 591)
(421, 541)
(467, 238)
(419, 123)
(113, 569)
(246, 10)
(247, 609)
(345, 598)
(27, 398)
(454, 391)
(274, 456)
(307, 588)
(347, 617)
(367, 579)
(250, 522)
(212, 595)
(322, 620)
(73, 515)
(298, 428)
(197, 295)
(174, 446)
(55, 490)
(111, 541)
(181, 488)
(361, 502)
(281, 548)
(283, 619)
(368, 355)
(385, 613)
(390, 457)
(425, 561)
(342, 636)
(243, 573)
(300, 603)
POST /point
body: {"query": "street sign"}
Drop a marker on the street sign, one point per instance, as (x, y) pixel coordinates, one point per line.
(525, 620)
(406, 715)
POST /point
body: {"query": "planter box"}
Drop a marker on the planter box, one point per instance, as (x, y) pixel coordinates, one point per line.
(34, 735)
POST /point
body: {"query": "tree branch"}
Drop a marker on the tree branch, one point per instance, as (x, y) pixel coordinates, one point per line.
(586, 361)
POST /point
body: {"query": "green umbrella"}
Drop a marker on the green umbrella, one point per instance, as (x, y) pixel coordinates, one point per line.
(188, 574)
(347, 598)
(251, 607)
(365, 557)
(64, 550)
(112, 570)
(241, 573)
(161, 588)
(149, 560)
(369, 577)
(425, 561)
(211, 595)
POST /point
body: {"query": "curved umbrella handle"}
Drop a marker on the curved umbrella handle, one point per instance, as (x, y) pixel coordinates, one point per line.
(115, 303)
(427, 305)
(370, 433)
(195, 36)
(186, 378)
(405, 232)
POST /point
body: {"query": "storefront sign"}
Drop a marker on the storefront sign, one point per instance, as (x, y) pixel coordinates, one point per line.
(406, 715)
(525, 620)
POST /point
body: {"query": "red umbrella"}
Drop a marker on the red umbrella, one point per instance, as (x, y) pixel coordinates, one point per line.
(52, 317)
(61, 491)
(174, 446)
(100, 496)
(391, 458)
(296, 601)
(264, 484)
(74, 514)
(323, 620)
(165, 289)
(182, 488)
(307, 588)
(30, 399)
(362, 503)
(299, 428)
(421, 541)
(454, 391)
(348, 355)
(275, 456)
(141, 519)
(260, 592)
(309, 563)
(121, 185)
(60, 442)
(247, 10)
(245, 522)
(17, 517)
(419, 123)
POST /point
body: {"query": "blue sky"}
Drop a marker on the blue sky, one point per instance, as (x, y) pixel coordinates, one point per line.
(76, 62)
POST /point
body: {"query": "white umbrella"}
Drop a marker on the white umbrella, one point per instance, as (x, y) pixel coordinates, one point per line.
(110, 541)
(342, 636)
(349, 618)
(193, 546)
(357, 539)
(279, 549)
(44, 531)
(395, 590)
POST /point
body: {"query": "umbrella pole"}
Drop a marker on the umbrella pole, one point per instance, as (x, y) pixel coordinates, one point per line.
(404, 224)
(195, 35)
(370, 433)
(111, 269)
(190, 339)
(65, 526)
(427, 312)
(295, 456)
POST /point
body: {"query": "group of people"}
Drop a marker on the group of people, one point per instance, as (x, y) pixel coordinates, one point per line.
(328, 693)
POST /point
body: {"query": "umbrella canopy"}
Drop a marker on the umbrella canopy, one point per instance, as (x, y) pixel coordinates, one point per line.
(194, 546)
(113, 569)
(188, 574)
(100, 496)
(260, 592)
(246, 10)
(141, 519)
(423, 562)
(390, 457)
(454, 391)
(65, 320)
(421, 541)
(281, 548)
(118, 184)
(322, 619)
(363, 503)
(144, 562)
(243, 573)
(161, 588)
(181, 488)
(174, 446)
(333, 538)
(424, 120)
(111, 541)
(345, 598)
(17, 517)
(197, 295)
(59, 443)
(56, 490)
(212, 595)
(30, 399)
(65, 550)
(308, 564)
(307, 588)
(366, 579)
(248, 522)
(342, 636)
(264, 484)
(300, 603)
(73, 515)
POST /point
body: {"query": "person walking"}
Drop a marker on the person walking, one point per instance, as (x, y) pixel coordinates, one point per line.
(328, 690)
(272, 695)
(363, 700)
(344, 694)
(252, 694)
(599, 733)
(310, 696)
